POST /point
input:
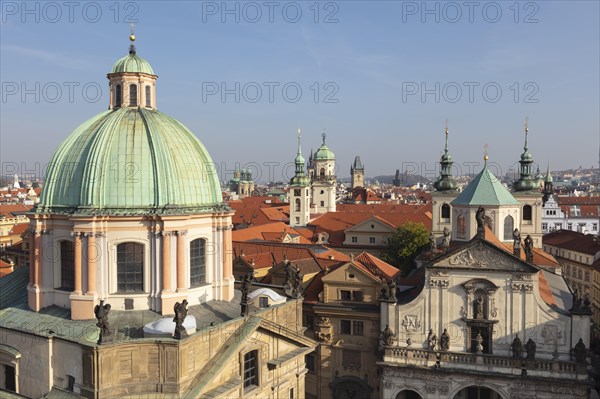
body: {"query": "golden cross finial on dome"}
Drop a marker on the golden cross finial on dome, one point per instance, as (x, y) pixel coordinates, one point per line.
(485, 153)
(132, 39)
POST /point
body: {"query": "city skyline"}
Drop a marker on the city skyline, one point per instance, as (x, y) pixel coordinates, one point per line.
(375, 75)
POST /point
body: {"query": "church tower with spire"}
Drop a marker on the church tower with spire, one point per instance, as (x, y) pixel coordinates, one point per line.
(526, 191)
(299, 192)
(323, 179)
(357, 173)
(446, 190)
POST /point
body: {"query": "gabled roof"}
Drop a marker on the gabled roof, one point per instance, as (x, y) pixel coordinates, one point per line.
(336, 223)
(376, 266)
(369, 264)
(480, 254)
(485, 189)
(540, 257)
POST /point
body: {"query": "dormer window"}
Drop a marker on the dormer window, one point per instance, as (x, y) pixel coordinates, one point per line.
(133, 96)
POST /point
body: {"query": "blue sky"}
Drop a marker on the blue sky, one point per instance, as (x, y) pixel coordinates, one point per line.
(362, 68)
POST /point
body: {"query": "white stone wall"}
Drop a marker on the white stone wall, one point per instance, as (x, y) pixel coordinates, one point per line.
(517, 311)
(143, 231)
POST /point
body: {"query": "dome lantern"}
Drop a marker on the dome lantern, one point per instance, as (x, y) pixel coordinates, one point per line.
(132, 81)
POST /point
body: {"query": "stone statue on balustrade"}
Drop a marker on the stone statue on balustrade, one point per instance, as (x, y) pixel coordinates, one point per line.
(445, 340)
(431, 340)
(530, 348)
(517, 347)
(101, 312)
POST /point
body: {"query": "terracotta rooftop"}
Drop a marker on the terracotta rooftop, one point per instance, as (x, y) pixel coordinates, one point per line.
(573, 241)
(12, 210)
(364, 261)
(274, 231)
(336, 223)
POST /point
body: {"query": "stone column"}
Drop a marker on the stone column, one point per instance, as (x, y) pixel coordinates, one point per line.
(38, 258)
(181, 286)
(31, 256)
(34, 295)
(78, 254)
(166, 261)
(227, 253)
(91, 263)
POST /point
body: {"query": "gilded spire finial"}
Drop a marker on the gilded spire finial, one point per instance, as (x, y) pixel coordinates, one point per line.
(132, 38)
(298, 136)
(485, 153)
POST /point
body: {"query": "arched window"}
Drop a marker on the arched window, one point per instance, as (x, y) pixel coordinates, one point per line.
(298, 204)
(197, 262)
(133, 96)
(527, 214)
(322, 172)
(67, 266)
(148, 97)
(118, 96)
(445, 213)
(509, 225)
(461, 226)
(130, 267)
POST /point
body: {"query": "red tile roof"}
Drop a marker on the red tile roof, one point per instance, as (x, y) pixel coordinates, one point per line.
(587, 206)
(545, 291)
(540, 257)
(274, 231)
(364, 195)
(265, 254)
(11, 210)
(376, 266)
(19, 228)
(255, 211)
(5, 268)
(573, 241)
(366, 262)
(336, 223)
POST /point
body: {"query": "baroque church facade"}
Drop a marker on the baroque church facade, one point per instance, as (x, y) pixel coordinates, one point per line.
(132, 215)
(487, 315)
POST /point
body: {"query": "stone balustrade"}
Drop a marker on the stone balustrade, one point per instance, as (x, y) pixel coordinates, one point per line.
(485, 362)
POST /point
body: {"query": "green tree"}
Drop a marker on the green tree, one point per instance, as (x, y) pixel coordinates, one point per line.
(405, 244)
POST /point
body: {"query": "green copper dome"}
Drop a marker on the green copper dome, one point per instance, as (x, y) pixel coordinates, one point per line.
(131, 161)
(132, 63)
(324, 153)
